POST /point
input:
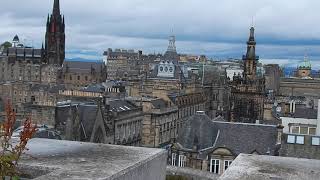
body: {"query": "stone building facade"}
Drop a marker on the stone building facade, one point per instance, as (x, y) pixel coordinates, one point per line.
(79, 74)
(300, 146)
(163, 119)
(123, 64)
(32, 78)
(111, 122)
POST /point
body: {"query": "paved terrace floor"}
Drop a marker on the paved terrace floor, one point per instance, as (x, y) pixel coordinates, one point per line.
(52, 159)
(255, 167)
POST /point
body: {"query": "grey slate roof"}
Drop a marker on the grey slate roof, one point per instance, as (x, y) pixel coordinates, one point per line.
(98, 88)
(87, 116)
(306, 113)
(47, 88)
(119, 105)
(159, 103)
(239, 138)
(198, 131)
(247, 138)
(81, 66)
(22, 52)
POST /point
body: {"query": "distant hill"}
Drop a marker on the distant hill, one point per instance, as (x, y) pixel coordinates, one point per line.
(83, 60)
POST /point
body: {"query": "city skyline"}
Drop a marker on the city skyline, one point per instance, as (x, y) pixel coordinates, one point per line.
(211, 29)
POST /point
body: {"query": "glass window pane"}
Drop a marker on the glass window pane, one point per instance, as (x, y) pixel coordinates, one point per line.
(300, 140)
(227, 164)
(312, 131)
(316, 141)
(303, 130)
(291, 139)
(217, 166)
(295, 130)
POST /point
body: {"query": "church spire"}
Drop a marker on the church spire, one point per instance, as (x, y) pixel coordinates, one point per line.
(55, 36)
(250, 59)
(251, 37)
(56, 8)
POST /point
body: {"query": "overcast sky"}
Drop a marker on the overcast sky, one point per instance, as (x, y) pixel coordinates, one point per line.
(285, 29)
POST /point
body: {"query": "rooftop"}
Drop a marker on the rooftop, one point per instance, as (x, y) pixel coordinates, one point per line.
(252, 167)
(76, 160)
(200, 131)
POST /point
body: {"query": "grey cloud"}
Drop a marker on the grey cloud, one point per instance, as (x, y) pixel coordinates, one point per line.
(213, 27)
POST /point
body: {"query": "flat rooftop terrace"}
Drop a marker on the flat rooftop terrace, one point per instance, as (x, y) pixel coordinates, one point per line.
(54, 159)
(252, 167)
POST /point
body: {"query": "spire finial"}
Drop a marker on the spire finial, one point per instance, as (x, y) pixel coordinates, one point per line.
(56, 7)
(252, 21)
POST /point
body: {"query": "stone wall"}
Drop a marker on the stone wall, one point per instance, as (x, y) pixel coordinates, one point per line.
(306, 150)
(78, 160)
(179, 173)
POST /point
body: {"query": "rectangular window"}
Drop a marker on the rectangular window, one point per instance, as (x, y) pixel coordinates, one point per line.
(303, 130)
(173, 159)
(300, 139)
(312, 130)
(295, 129)
(215, 166)
(315, 141)
(291, 139)
(227, 163)
(182, 161)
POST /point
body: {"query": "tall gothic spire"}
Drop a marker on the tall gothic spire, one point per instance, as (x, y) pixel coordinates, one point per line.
(56, 8)
(55, 36)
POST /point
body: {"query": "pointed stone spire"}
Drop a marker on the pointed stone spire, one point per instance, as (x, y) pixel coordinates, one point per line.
(251, 37)
(56, 8)
(250, 59)
(48, 22)
(48, 19)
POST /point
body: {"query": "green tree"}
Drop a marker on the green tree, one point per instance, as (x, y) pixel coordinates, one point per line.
(6, 44)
